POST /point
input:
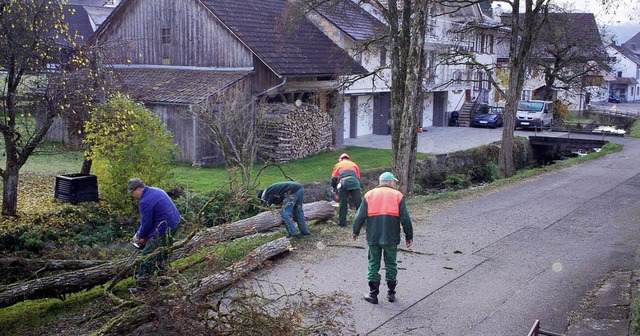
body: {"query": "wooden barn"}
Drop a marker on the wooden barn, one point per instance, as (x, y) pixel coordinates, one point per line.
(175, 56)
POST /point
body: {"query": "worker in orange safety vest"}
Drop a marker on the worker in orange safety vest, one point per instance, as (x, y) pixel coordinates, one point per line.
(345, 180)
(384, 211)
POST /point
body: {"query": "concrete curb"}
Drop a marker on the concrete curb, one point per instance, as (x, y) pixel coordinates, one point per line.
(607, 310)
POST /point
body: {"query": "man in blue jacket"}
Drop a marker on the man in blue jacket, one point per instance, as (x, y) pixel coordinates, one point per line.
(159, 220)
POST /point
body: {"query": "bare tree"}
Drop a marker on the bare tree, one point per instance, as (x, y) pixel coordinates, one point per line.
(34, 40)
(407, 23)
(567, 50)
(230, 121)
(524, 31)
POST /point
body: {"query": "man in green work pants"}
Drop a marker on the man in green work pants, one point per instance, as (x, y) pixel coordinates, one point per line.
(384, 211)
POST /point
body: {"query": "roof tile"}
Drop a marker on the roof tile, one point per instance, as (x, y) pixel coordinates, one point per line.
(286, 41)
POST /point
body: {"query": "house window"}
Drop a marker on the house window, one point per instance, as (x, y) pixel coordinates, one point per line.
(526, 95)
(431, 27)
(166, 35)
(383, 56)
(491, 44)
(358, 57)
(619, 73)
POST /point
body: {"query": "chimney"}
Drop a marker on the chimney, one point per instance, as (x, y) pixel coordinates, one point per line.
(497, 12)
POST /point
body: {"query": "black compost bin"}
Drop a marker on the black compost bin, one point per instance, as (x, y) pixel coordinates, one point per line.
(76, 188)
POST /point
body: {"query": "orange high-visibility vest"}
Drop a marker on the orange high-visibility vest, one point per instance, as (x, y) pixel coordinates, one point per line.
(383, 201)
(345, 165)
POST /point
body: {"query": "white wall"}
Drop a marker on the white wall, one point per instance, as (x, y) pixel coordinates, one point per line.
(364, 124)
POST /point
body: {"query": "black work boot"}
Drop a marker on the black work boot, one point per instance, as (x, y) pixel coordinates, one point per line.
(391, 292)
(374, 289)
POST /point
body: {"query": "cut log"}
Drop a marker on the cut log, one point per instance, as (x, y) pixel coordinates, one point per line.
(57, 286)
(128, 321)
(71, 282)
(261, 222)
(239, 270)
(41, 265)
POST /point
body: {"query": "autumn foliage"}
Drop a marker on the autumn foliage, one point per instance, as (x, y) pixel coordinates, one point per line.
(127, 140)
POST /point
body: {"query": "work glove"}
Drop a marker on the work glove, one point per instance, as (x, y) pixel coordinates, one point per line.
(137, 242)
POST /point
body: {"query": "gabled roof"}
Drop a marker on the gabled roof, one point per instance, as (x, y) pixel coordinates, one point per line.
(352, 19)
(85, 15)
(624, 81)
(627, 53)
(289, 46)
(158, 84)
(578, 30)
(95, 3)
(633, 42)
(78, 20)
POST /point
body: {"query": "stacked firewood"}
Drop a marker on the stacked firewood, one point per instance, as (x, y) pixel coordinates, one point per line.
(289, 132)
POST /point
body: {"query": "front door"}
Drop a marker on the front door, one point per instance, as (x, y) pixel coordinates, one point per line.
(439, 111)
(381, 114)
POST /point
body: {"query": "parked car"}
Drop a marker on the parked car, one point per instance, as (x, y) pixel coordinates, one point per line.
(534, 114)
(613, 99)
(489, 116)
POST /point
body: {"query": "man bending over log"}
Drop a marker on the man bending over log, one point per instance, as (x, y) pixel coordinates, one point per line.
(159, 220)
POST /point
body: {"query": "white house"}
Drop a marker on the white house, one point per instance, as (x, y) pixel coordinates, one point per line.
(625, 81)
(366, 101)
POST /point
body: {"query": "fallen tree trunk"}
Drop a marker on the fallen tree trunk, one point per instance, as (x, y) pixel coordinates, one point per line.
(59, 285)
(41, 265)
(239, 270)
(261, 222)
(128, 321)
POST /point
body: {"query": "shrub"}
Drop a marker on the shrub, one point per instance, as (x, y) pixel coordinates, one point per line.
(488, 172)
(457, 180)
(81, 226)
(635, 318)
(225, 207)
(127, 140)
(560, 112)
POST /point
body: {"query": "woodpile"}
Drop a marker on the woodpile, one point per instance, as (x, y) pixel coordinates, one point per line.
(289, 132)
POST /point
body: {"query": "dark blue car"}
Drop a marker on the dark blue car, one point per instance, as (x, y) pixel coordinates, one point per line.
(613, 99)
(488, 116)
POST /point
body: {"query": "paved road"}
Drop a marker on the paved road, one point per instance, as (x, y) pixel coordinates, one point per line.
(494, 264)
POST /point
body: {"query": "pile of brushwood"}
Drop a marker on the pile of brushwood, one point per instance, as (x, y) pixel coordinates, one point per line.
(208, 289)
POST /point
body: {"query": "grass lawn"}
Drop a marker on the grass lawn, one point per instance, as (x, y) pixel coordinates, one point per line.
(316, 168)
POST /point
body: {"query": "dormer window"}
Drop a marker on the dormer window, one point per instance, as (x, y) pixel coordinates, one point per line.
(166, 35)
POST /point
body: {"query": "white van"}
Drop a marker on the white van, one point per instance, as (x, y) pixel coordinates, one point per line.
(534, 114)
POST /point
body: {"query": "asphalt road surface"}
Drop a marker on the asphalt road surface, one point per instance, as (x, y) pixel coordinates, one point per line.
(492, 265)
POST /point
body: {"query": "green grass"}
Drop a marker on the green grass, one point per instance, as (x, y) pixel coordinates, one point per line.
(49, 159)
(316, 168)
(635, 130)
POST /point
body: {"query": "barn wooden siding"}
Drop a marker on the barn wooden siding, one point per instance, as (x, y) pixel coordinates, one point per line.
(196, 37)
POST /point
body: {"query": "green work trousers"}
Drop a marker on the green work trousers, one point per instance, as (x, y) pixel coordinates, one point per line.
(156, 263)
(390, 253)
(356, 198)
